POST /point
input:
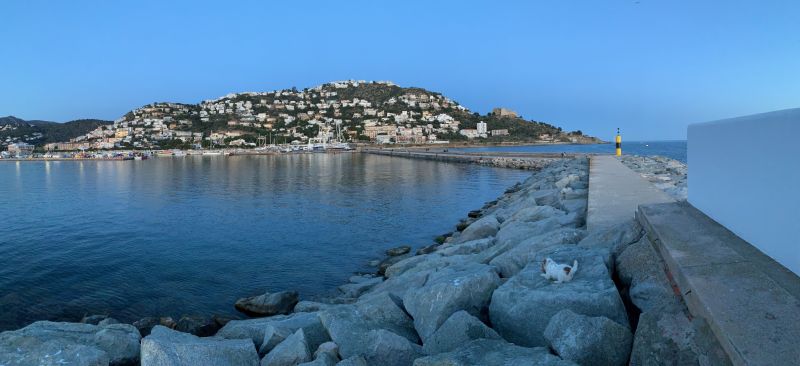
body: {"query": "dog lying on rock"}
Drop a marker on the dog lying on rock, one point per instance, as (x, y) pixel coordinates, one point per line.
(558, 272)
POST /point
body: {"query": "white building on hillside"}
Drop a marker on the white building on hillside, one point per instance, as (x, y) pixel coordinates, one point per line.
(482, 129)
(470, 133)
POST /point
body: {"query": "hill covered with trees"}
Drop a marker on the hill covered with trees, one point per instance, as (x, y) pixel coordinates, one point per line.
(36, 132)
(351, 111)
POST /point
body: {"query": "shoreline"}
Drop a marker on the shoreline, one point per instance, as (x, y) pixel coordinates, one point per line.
(411, 299)
(481, 158)
(358, 148)
(179, 157)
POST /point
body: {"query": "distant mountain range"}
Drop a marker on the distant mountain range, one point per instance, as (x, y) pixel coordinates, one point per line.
(36, 132)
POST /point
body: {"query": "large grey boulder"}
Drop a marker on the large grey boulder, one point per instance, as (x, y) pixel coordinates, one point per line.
(221, 320)
(201, 326)
(349, 325)
(578, 205)
(573, 219)
(522, 307)
(433, 262)
(353, 361)
(306, 306)
(639, 261)
(327, 354)
(469, 247)
(408, 263)
(570, 193)
(515, 232)
(322, 360)
(390, 261)
(493, 352)
(273, 336)
(292, 351)
(466, 286)
(115, 344)
(268, 304)
(565, 181)
(24, 351)
(588, 340)
(654, 294)
(398, 285)
(415, 274)
(482, 228)
(403, 249)
(428, 249)
(459, 328)
(547, 197)
(361, 278)
(145, 324)
(641, 270)
(673, 339)
(518, 256)
(167, 347)
(257, 330)
(615, 238)
(119, 341)
(355, 289)
(532, 214)
(388, 349)
(582, 183)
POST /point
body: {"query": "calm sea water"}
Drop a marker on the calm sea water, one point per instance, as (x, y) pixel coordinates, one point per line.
(175, 236)
(671, 149)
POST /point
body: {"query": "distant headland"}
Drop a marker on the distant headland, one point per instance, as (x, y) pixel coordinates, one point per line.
(345, 111)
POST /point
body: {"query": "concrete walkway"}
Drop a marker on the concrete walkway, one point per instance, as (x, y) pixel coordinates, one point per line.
(751, 302)
(615, 192)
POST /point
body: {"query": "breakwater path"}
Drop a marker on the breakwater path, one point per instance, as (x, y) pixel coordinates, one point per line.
(615, 192)
(530, 161)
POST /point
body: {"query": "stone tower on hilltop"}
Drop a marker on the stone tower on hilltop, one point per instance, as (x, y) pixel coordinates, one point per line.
(504, 112)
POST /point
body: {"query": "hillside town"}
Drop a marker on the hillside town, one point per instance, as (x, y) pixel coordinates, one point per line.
(352, 111)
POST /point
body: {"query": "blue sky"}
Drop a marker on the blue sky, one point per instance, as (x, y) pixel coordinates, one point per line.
(648, 67)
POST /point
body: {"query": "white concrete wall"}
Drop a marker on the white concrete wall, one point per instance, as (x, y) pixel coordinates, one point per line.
(745, 173)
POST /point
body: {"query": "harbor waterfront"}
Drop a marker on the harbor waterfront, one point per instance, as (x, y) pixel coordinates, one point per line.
(670, 149)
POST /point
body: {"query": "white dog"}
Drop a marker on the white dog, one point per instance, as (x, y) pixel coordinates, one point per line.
(558, 272)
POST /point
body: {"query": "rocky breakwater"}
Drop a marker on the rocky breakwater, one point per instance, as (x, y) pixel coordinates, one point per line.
(531, 162)
(476, 297)
(667, 174)
(513, 163)
(56, 343)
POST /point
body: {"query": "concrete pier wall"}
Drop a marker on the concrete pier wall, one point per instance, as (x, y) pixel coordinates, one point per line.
(745, 173)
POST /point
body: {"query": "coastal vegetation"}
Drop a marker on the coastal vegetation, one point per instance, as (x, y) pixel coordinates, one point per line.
(13, 129)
